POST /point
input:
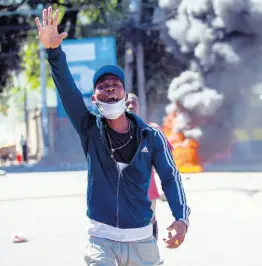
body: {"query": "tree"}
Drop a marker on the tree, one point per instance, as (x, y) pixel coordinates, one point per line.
(12, 34)
(30, 64)
(16, 29)
(19, 44)
(85, 18)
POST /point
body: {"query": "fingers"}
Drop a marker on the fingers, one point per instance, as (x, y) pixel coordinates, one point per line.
(56, 17)
(174, 242)
(45, 18)
(50, 16)
(38, 24)
(62, 36)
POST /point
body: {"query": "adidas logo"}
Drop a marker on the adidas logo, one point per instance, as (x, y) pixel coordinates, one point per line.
(144, 149)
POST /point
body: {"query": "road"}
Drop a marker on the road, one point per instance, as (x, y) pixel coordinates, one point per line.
(49, 208)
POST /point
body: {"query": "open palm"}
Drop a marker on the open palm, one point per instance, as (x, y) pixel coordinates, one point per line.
(48, 32)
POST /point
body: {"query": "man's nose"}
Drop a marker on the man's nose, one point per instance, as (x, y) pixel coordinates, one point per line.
(110, 89)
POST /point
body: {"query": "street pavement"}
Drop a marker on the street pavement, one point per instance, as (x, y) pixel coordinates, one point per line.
(49, 209)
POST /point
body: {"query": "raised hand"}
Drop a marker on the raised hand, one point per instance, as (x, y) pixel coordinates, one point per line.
(48, 32)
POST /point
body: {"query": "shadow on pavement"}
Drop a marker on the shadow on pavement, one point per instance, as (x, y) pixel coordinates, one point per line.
(66, 196)
(43, 168)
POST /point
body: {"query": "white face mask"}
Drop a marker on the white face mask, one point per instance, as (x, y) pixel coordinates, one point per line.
(112, 110)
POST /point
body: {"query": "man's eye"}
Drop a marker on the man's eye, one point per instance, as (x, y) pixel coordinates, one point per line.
(117, 85)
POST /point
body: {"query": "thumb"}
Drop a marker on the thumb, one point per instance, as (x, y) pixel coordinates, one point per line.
(62, 36)
(172, 226)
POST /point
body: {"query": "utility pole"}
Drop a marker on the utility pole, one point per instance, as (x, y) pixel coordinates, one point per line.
(26, 114)
(44, 113)
(135, 15)
(22, 86)
(26, 137)
(44, 116)
(141, 79)
(129, 66)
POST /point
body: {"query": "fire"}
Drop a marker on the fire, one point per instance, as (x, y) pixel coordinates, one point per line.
(185, 151)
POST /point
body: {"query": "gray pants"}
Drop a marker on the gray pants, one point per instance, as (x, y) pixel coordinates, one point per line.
(104, 252)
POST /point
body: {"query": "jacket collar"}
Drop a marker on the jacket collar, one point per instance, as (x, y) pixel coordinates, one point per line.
(138, 121)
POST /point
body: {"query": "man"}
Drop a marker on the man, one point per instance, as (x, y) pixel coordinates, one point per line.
(120, 150)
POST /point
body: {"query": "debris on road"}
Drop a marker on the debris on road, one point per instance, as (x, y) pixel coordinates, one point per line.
(2, 172)
(18, 238)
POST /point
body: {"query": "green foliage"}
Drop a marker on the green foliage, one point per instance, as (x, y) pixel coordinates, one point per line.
(30, 64)
(29, 54)
(103, 13)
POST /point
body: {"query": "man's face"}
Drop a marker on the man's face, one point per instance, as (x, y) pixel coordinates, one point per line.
(109, 89)
(132, 105)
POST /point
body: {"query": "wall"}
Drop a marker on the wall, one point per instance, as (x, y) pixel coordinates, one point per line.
(35, 137)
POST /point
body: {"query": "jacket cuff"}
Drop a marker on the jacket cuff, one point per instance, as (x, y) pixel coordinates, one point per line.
(184, 221)
(54, 53)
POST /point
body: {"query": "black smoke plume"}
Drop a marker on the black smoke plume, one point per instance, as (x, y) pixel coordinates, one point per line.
(220, 43)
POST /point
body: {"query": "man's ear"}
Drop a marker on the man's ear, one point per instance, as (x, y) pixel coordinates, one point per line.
(126, 96)
(93, 99)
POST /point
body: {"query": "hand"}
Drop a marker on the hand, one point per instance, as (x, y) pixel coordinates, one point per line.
(176, 240)
(48, 32)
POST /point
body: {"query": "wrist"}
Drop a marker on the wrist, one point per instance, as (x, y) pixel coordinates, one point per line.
(186, 222)
(54, 52)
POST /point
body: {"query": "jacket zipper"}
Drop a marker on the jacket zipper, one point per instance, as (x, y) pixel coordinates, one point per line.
(117, 193)
(120, 174)
(118, 178)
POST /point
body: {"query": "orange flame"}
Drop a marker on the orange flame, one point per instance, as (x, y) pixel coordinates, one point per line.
(185, 151)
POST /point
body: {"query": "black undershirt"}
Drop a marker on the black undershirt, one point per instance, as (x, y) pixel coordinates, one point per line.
(127, 153)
